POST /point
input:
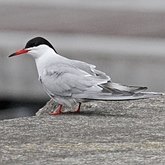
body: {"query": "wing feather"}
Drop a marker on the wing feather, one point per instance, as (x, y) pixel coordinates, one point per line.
(89, 68)
(66, 80)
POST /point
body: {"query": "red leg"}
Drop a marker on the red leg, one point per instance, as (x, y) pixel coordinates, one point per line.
(78, 109)
(57, 111)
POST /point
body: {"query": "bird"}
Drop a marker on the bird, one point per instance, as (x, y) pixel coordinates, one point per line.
(71, 82)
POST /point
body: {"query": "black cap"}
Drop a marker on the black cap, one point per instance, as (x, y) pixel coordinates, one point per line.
(38, 41)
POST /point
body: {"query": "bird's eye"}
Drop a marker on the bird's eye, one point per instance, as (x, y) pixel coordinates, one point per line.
(35, 44)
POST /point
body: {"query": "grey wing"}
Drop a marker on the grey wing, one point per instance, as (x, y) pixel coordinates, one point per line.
(89, 68)
(65, 80)
(68, 81)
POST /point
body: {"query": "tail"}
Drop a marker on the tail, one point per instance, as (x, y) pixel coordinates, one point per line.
(112, 97)
(117, 92)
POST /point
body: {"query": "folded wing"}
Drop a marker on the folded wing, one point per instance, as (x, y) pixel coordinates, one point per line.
(70, 81)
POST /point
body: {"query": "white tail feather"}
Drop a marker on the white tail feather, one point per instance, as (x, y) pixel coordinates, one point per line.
(116, 97)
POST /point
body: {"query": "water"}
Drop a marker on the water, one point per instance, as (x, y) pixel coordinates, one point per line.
(10, 109)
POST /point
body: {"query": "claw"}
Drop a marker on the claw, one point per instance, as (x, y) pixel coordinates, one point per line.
(57, 111)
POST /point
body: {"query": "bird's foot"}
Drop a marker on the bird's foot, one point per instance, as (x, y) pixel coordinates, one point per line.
(57, 111)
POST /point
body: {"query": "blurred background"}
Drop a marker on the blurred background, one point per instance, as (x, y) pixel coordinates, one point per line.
(124, 38)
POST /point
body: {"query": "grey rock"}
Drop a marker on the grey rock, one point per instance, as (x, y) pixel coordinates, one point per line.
(127, 132)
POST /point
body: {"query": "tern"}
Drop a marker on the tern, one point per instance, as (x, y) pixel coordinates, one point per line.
(69, 82)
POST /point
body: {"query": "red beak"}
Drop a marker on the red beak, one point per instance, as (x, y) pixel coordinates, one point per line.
(19, 52)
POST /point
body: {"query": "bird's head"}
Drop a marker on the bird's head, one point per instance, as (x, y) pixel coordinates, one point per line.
(36, 47)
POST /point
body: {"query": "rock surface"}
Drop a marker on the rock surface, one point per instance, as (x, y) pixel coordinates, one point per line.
(128, 132)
